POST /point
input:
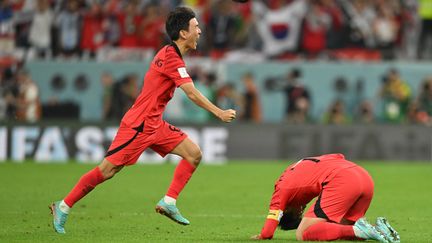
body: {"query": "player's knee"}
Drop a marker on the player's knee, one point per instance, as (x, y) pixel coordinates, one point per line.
(109, 173)
(195, 157)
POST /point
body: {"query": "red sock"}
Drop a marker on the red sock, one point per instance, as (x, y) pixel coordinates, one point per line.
(325, 231)
(182, 174)
(85, 185)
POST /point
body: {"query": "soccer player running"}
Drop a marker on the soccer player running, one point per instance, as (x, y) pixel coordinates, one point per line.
(142, 126)
(344, 192)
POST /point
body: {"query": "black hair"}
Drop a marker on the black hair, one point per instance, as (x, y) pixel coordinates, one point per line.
(289, 221)
(177, 20)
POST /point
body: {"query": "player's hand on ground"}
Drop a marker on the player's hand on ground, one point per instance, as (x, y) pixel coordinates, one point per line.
(256, 237)
(227, 115)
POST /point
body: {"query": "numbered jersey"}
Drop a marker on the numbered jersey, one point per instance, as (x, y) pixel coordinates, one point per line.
(317, 170)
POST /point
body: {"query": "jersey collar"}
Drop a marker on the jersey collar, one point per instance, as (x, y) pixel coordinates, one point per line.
(177, 49)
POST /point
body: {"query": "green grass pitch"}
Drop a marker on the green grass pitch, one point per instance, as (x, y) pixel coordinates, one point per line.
(225, 203)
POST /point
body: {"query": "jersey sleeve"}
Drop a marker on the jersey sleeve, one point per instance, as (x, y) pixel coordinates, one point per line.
(274, 215)
(175, 69)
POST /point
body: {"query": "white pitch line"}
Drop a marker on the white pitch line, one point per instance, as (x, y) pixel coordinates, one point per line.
(203, 215)
(227, 215)
(127, 214)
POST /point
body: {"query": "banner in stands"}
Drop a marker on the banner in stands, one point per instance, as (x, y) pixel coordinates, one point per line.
(88, 143)
(357, 142)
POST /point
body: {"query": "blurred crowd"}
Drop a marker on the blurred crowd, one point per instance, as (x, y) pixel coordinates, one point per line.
(332, 29)
(396, 101)
(19, 96)
(268, 29)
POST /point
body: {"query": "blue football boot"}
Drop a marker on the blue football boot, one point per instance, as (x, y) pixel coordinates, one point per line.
(59, 218)
(369, 231)
(171, 212)
(384, 226)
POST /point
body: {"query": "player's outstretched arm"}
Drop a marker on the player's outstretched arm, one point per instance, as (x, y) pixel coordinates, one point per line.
(199, 99)
(274, 215)
(270, 225)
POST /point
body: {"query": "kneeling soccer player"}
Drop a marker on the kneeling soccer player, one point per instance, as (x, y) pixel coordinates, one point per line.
(344, 192)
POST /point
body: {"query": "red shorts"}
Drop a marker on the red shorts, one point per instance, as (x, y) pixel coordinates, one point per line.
(346, 196)
(129, 143)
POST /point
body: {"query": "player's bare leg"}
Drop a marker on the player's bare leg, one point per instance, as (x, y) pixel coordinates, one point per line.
(60, 209)
(191, 154)
(305, 224)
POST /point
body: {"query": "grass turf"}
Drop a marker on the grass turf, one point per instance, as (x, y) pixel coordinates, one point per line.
(224, 203)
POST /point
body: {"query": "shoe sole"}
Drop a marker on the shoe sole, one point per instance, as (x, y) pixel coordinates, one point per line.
(162, 211)
(393, 232)
(52, 209)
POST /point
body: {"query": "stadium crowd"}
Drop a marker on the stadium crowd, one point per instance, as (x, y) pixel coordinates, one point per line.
(313, 29)
(384, 29)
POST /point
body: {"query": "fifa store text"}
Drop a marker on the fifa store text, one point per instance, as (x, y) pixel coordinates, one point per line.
(88, 144)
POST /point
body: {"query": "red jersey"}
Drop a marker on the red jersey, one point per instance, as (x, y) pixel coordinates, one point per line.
(305, 179)
(92, 32)
(167, 71)
(129, 26)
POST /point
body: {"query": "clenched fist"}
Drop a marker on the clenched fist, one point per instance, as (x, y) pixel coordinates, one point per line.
(227, 115)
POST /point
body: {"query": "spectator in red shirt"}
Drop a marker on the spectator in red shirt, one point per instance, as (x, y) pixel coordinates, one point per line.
(151, 28)
(315, 27)
(129, 21)
(92, 33)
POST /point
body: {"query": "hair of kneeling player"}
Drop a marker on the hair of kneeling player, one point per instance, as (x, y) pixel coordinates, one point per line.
(291, 218)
